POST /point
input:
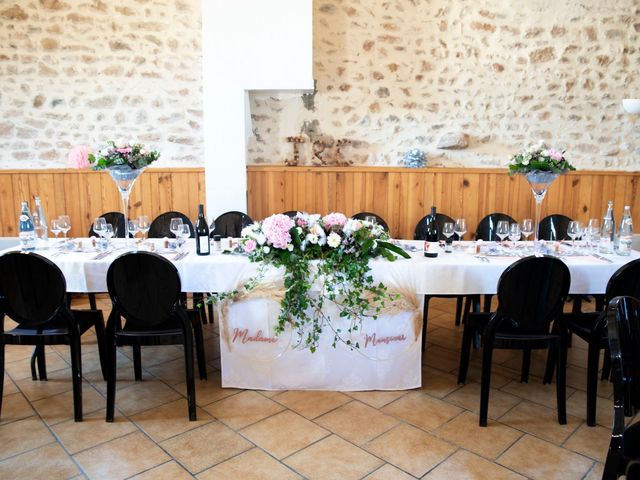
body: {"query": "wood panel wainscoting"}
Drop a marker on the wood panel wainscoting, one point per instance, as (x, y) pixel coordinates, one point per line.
(86, 194)
(403, 196)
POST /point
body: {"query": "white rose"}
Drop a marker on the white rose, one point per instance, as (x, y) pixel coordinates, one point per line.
(121, 143)
(312, 238)
(333, 240)
(290, 247)
(261, 239)
(299, 229)
(266, 249)
(246, 232)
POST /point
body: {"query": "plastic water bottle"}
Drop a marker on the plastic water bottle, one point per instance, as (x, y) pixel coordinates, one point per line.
(625, 235)
(26, 231)
(40, 225)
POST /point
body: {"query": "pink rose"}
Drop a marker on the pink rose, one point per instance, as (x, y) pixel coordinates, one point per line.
(555, 154)
(79, 156)
(250, 246)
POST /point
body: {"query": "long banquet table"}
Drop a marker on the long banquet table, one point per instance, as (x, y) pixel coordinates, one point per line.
(389, 356)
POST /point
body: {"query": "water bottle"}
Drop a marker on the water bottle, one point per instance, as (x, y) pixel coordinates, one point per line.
(26, 231)
(625, 235)
(608, 230)
(40, 225)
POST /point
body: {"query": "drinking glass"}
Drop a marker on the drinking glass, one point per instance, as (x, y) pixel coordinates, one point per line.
(461, 228)
(514, 234)
(55, 227)
(527, 228)
(448, 229)
(108, 233)
(371, 219)
(183, 234)
(64, 222)
(593, 233)
(99, 226)
(143, 225)
(133, 228)
(502, 231)
(573, 230)
(175, 225)
(606, 246)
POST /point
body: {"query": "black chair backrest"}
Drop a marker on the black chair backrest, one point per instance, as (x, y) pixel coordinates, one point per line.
(532, 291)
(623, 324)
(230, 224)
(159, 228)
(553, 227)
(114, 218)
(625, 281)
(32, 288)
(487, 226)
(379, 220)
(290, 213)
(420, 232)
(144, 287)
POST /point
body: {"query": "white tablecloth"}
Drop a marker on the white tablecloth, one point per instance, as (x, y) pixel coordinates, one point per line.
(389, 356)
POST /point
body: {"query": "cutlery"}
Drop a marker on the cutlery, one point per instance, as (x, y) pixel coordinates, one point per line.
(600, 257)
(100, 256)
(482, 259)
(180, 256)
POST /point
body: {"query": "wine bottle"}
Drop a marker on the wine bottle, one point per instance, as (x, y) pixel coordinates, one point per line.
(432, 226)
(203, 247)
(26, 231)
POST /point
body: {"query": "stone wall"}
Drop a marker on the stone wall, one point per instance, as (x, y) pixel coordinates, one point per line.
(400, 74)
(85, 71)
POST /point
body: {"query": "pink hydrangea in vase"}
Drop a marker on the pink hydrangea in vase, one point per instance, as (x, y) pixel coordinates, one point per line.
(79, 157)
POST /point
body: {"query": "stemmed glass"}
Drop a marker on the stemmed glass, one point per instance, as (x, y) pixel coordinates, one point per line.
(64, 222)
(593, 233)
(133, 228)
(143, 225)
(108, 233)
(573, 230)
(99, 227)
(448, 229)
(526, 228)
(175, 225)
(55, 227)
(502, 231)
(461, 228)
(182, 235)
(514, 234)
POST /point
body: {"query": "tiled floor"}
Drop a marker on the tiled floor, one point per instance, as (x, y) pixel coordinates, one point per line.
(428, 433)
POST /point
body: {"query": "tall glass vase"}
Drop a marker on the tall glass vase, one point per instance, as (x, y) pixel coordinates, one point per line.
(124, 178)
(539, 180)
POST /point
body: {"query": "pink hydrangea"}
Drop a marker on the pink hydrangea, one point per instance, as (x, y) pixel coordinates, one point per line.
(276, 230)
(555, 154)
(250, 245)
(334, 219)
(79, 157)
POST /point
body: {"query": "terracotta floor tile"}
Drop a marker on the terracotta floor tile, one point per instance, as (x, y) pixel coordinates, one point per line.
(143, 396)
(596, 472)
(92, 431)
(59, 408)
(208, 391)
(205, 446)
(58, 382)
(388, 472)
(311, 404)
(334, 458)
(422, 410)
(166, 471)
(23, 435)
(590, 441)
(169, 420)
(134, 453)
(251, 465)
(500, 375)
(21, 369)
(357, 422)
(243, 409)
(410, 449)
(577, 406)
(535, 392)
(172, 372)
(50, 461)
(377, 399)
(540, 460)
(284, 433)
(438, 384)
(441, 358)
(540, 421)
(469, 397)
(469, 466)
(489, 441)
(9, 387)
(15, 407)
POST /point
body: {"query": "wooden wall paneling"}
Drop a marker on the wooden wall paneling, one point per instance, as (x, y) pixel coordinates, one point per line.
(357, 193)
(8, 211)
(415, 202)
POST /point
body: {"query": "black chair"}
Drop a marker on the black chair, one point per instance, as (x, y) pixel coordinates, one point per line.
(420, 233)
(379, 220)
(554, 227)
(487, 227)
(290, 213)
(592, 328)
(159, 228)
(33, 294)
(145, 290)
(230, 224)
(114, 218)
(531, 293)
(623, 326)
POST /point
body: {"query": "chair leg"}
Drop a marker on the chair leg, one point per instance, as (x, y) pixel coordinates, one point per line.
(34, 356)
(561, 382)
(76, 374)
(92, 301)
(487, 302)
(425, 317)
(458, 310)
(200, 354)
(42, 362)
(485, 383)
(465, 349)
(606, 365)
(191, 385)
(112, 368)
(102, 346)
(526, 365)
(137, 362)
(1, 375)
(551, 365)
(210, 311)
(593, 360)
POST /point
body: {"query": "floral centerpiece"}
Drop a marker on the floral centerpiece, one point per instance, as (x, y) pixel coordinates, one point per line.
(343, 247)
(119, 152)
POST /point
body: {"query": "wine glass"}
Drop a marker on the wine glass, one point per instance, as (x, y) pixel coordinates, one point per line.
(108, 233)
(371, 219)
(133, 227)
(183, 234)
(514, 234)
(502, 231)
(175, 225)
(526, 228)
(143, 225)
(460, 228)
(448, 229)
(64, 222)
(573, 230)
(55, 227)
(593, 233)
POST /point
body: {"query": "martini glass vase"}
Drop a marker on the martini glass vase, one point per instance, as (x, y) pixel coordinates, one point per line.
(124, 178)
(539, 180)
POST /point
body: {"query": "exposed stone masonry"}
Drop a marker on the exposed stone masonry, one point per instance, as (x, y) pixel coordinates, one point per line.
(85, 71)
(399, 74)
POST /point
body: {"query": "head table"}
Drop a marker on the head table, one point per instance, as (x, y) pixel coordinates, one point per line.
(389, 353)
